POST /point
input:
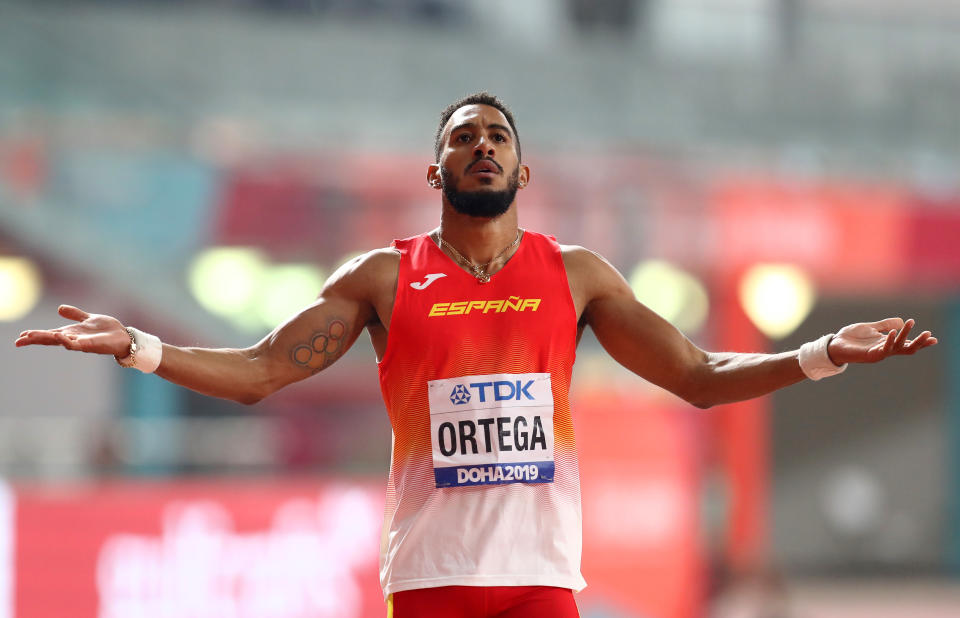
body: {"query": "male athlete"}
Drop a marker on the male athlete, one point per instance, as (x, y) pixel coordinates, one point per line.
(475, 326)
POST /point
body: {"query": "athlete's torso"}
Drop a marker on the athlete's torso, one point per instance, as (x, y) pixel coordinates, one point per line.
(484, 487)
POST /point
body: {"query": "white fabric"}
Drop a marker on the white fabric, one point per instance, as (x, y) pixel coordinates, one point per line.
(149, 352)
(815, 361)
(504, 535)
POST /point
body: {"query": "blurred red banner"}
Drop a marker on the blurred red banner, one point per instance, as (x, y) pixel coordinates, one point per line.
(851, 237)
(640, 480)
(192, 549)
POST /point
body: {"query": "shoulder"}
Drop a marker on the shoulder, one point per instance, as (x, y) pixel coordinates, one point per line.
(591, 277)
(575, 255)
(368, 273)
(385, 258)
(582, 262)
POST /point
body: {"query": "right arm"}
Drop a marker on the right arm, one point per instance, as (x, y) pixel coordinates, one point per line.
(302, 346)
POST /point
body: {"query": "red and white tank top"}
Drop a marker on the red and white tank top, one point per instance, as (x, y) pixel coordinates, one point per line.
(484, 488)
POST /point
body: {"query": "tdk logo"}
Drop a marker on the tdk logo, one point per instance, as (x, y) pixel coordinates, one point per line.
(502, 390)
(459, 395)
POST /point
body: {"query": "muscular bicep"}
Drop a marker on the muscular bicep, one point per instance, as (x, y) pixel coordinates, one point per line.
(317, 336)
(312, 340)
(634, 335)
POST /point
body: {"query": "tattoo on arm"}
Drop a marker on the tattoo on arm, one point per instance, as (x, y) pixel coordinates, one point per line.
(323, 348)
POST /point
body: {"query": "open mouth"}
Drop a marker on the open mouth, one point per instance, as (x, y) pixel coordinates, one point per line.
(484, 167)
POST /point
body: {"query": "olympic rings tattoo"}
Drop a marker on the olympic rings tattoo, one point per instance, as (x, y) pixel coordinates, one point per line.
(323, 349)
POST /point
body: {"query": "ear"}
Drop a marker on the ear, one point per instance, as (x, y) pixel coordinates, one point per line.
(433, 175)
(523, 178)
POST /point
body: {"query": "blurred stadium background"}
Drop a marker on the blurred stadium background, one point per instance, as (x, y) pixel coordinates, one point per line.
(764, 171)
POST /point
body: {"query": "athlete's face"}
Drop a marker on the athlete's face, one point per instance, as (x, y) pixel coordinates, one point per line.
(478, 169)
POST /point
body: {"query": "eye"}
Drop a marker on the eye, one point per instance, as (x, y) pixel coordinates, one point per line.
(500, 137)
(464, 138)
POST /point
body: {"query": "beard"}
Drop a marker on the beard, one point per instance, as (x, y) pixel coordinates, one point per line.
(488, 204)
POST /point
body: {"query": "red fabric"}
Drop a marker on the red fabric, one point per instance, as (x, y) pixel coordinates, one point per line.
(435, 332)
(485, 602)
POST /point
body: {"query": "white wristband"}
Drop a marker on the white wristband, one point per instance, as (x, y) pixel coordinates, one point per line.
(145, 351)
(815, 361)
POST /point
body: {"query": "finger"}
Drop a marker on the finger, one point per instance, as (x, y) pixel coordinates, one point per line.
(887, 325)
(925, 339)
(911, 346)
(37, 337)
(888, 342)
(33, 333)
(902, 335)
(67, 341)
(73, 313)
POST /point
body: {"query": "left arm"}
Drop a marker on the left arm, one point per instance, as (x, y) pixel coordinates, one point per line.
(654, 349)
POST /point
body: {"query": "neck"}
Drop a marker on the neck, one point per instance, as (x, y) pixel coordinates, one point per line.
(478, 239)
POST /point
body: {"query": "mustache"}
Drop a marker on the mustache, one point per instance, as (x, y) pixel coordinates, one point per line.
(469, 167)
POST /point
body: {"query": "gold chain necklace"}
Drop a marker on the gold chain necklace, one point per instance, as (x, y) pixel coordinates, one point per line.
(479, 270)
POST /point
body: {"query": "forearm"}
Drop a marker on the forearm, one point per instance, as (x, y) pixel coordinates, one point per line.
(240, 375)
(725, 377)
(300, 347)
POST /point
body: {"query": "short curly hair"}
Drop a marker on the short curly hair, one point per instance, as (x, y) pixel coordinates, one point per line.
(478, 98)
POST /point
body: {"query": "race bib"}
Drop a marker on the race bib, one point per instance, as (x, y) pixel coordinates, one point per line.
(492, 429)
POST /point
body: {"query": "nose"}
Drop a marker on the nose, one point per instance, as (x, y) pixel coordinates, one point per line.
(484, 148)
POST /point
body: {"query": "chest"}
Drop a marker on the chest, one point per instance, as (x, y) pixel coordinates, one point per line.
(527, 302)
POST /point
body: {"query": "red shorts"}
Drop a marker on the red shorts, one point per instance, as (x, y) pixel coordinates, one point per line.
(483, 602)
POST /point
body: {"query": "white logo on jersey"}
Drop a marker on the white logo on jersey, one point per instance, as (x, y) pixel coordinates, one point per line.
(422, 285)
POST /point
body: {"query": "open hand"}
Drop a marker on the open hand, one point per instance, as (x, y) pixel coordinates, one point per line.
(869, 342)
(98, 334)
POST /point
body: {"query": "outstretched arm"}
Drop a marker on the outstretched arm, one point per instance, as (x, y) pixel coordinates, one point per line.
(654, 349)
(307, 343)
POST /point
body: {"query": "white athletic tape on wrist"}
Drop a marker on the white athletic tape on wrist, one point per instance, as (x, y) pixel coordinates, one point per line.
(815, 361)
(149, 351)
